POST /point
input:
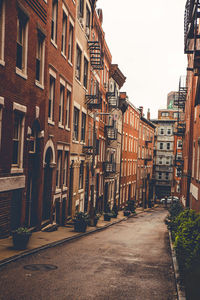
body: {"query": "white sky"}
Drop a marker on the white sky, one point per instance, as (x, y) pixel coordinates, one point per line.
(146, 40)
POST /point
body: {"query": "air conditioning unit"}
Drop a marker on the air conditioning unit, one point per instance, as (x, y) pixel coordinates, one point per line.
(87, 31)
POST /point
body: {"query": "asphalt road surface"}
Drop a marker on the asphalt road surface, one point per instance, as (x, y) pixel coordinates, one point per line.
(130, 260)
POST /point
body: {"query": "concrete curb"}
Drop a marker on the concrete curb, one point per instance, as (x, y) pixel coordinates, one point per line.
(180, 289)
(53, 244)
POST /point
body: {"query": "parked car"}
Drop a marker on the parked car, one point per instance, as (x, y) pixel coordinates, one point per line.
(169, 200)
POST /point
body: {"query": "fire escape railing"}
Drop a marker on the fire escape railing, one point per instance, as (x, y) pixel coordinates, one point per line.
(96, 55)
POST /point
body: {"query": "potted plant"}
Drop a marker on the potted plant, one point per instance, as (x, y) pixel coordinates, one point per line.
(107, 213)
(114, 211)
(81, 221)
(21, 238)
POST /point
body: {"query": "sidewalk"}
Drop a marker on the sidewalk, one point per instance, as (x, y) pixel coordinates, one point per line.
(42, 240)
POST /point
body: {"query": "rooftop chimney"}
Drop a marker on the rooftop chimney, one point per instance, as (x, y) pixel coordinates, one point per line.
(148, 114)
(141, 110)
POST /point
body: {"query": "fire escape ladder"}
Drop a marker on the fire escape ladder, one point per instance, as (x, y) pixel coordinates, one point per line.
(96, 55)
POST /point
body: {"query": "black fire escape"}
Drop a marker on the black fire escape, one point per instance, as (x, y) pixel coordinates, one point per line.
(94, 100)
(180, 127)
(192, 34)
(96, 55)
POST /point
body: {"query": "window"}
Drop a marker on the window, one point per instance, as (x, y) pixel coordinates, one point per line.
(167, 160)
(81, 170)
(176, 115)
(40, 59)
(67, 114)
(54, 21)
(22, 42)
(58, 169)
(169, 131)
(78, 62)
(85, 76)
(161, 146)
(64, 34)
(70, 43)
(61, 104)
(83, 125)
(160, 161)
(81, 9)
(2, 30)
(164, 114)
(65, 169)
(76, 121)
(18, 133)
(179, 144)
(168, 146)
(88, 22)
(159, 175)
(167, 176)
(51, 98)
(161, 131)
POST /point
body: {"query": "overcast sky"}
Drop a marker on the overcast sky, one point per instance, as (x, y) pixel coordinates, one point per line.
(146, 40)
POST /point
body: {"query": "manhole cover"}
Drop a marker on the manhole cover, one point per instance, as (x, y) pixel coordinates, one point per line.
(40, 267)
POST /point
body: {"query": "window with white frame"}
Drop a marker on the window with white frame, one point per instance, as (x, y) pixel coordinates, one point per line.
(85, 75)
(81, 9)
(78, 62)
(2, 30)
(166, 176)
(168, 146)
(164, 114)
(64, 34)
(22, 42)
(81, 174)
(65, 168)
(40, 58)
(161, 130)
(51, 98)
(18, 139)
(70, 43)
(67, 112)
(58, 169)
(169, 131)
(161, 146)
(87, 28)
(75, 123)
(179, 144)
(61, 104)
(54, 21)
(167, 160)
(83, 127)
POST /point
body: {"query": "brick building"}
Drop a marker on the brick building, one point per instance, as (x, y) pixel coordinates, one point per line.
(190, 183)
(23, 33)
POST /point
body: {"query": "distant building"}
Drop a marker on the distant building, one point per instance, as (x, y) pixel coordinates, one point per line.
(171, 100)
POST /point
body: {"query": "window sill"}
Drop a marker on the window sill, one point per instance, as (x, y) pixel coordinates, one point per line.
(82, 143)
(58, 190)
(86, 90)
(65, 188)
(65, 57)
(54, 44)
(70, 63)
(80, 191)
(21, 74)
(2, 63)
(78, 81)
(51, 122)
(38, 84)
(68, 129)
(61, 126)
(16, 170)
(75, 142)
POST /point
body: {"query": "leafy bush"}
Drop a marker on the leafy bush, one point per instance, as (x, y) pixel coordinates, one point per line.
(171, 220)
(187, 240)
(22, 230)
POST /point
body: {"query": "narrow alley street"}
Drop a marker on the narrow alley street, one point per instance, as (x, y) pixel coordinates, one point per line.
(130, 260)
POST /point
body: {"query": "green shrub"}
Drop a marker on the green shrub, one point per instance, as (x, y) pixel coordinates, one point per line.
(187, 240)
